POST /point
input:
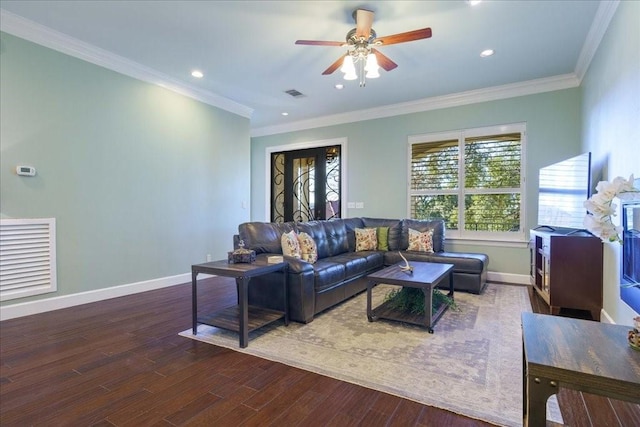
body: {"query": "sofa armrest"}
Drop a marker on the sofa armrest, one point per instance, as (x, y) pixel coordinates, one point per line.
(297, 266)
(266, 290)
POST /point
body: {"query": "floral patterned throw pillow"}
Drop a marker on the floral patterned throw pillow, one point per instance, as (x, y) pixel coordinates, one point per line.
(308, 248)
(420, 242)
(290, 245)
(366, 239)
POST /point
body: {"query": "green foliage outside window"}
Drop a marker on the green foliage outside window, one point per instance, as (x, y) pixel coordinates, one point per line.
(491, 187)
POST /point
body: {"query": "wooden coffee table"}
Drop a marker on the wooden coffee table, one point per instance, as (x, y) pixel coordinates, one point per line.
(425, 276)
(582, 355)
(242, 318)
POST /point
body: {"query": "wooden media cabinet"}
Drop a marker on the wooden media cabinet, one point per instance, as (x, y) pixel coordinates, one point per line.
(566, 269)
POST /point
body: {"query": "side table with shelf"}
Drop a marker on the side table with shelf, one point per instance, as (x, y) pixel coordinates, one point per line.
(566, 269)
(591, 357)
(242, 318)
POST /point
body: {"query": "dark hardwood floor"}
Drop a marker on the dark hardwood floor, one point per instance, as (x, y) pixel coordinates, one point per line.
(120, 362)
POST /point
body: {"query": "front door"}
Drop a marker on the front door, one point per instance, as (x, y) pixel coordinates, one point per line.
(305, 184)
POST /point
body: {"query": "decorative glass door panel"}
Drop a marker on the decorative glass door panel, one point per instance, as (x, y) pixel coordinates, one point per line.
(305, 184)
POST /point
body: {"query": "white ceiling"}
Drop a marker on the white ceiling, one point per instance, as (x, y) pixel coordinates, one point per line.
(247, 53)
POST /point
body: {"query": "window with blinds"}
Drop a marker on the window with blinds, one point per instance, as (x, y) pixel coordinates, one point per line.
(472, 179)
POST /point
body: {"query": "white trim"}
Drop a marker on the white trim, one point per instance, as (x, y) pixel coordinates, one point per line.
(461, 135)
(342, 142)
(601, 22)
(44, 36)
(66, 301)
(548, 84)
(516, 243)
(516, 279)
(605, 318)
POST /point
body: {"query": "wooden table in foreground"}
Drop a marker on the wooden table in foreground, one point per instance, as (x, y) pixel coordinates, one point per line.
(583, 355)
(241, 318)
(426, 276)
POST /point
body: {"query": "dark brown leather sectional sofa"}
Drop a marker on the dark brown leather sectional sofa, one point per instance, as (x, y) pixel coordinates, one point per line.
(313, 288)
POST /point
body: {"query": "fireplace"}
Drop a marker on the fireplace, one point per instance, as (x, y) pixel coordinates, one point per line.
(630, 271)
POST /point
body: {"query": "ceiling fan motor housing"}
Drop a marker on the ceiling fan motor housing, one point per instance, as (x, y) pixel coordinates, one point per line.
(352, 39)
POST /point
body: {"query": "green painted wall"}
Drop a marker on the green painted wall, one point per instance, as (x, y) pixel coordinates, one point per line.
(377, 157)
(611, 127)
(142, 182)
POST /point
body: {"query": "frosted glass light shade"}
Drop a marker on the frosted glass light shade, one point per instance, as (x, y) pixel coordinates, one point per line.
(351, 75)
(347, 65)
(372, 67)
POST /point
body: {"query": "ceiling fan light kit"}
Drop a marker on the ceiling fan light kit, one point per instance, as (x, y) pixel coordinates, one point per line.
(367, 65)
(361, 53)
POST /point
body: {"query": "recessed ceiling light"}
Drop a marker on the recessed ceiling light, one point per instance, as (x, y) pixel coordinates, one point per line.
(487, 52)
(474, 2)
(284, 113)
(339, 86)
(197, 74)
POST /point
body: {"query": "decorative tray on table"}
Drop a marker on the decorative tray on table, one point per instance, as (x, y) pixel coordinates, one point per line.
(634, 334)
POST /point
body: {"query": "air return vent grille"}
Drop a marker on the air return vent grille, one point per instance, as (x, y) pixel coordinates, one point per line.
(294, 93)
(27, 257)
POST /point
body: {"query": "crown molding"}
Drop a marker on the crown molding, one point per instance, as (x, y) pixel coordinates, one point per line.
(36, 33)
(44, 36)
(494, 93)
(601, 22)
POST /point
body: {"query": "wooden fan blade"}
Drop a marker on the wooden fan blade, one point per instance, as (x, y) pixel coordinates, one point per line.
(334, 66)
(384, 60)
(319, 43)
(364, 21)
(409, 36)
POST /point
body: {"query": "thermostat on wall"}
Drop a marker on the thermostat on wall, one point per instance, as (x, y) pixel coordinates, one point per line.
(26, 170)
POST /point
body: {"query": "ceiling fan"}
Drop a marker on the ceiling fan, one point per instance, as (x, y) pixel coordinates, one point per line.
(361, 43)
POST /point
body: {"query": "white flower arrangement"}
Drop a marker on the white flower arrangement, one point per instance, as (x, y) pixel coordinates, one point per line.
(601, 209)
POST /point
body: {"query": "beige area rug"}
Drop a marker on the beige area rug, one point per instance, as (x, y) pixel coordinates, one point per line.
(471, 365)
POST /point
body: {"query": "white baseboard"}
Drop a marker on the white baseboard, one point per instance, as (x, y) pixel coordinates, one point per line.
(605, 318)
(518, 279)
(65, 301)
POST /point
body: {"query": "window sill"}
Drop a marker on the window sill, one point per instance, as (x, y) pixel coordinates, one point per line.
(504, 243)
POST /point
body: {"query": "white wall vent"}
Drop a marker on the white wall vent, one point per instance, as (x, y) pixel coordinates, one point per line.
(27, 257)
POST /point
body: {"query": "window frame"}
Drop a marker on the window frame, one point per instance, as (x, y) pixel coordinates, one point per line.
(461, 192)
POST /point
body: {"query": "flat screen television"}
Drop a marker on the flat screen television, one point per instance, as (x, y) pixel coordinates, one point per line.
(563, 188)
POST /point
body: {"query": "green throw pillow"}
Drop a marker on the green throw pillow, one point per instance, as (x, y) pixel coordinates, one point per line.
(383, 238)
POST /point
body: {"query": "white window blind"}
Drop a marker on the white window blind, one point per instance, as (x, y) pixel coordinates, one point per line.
(472, 179)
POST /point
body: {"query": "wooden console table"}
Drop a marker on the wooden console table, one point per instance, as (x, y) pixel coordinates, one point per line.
(241, 318)
(583, 355)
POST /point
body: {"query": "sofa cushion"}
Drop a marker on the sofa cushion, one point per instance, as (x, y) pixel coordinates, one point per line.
(465, 262)
(351, 224)
(358, 263)
(336, 232)
(308, 248)
(420, 241)
(355, 263)
(315, 229)
(475, 263)
(290, 244)
(366, 239)
(330, 236)
(263, 237)
(328, 274)
(383, 238)
(437, 225)
(395, 231)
